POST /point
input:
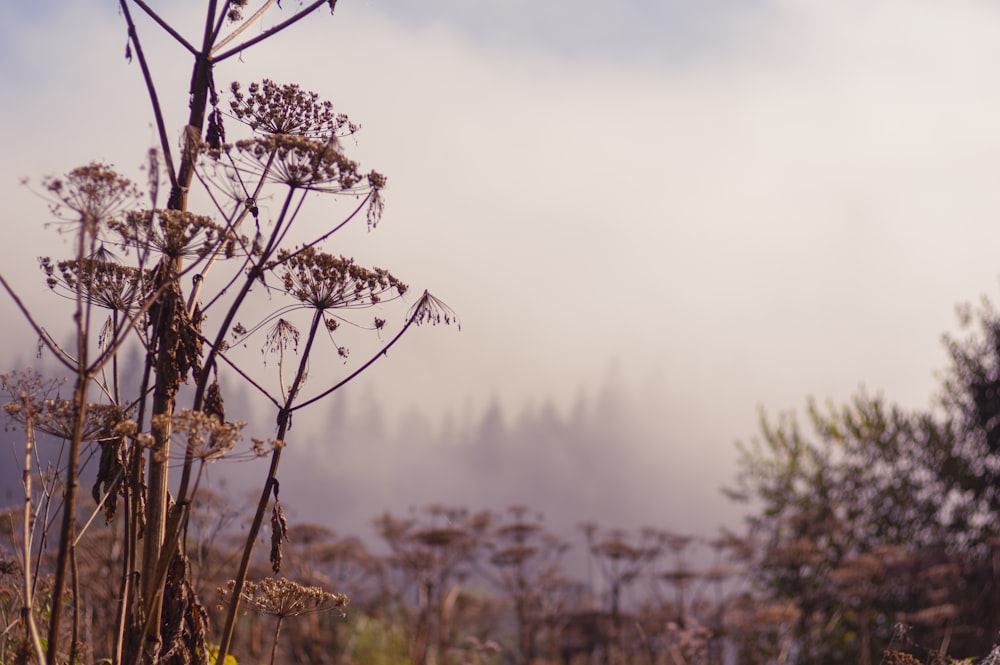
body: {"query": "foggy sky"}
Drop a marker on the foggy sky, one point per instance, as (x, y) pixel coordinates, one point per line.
(721, 204)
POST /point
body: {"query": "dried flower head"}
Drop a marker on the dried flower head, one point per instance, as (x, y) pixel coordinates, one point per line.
(679, 578)
(513, 556)
(263, 447)
(90, 195)
(891, 657)
(206, 436)
(284, 598)
(106, 284)
(432, 310)
(270, 108)
(57, 416)
(281, 336)
(235, 12)
(327, 282)
(519, 532)
(28, 393)
(174, 233)
(441, 537)
(303, 163)
(616, 549)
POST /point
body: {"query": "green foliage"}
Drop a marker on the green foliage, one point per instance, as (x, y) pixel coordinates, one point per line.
(874, 514)
(377, 642)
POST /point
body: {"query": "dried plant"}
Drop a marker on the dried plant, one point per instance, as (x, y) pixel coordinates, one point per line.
(270, 108)
(283, 598)
(125, 282)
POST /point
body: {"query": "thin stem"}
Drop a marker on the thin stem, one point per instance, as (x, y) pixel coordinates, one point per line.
(199, 279)
(382, 352)
(82, 531)
(243, 26)
(220, 20)
(29, 521)
(274, 643)
(331, 231)
(284, 418)
(216, 347)
(166, 342)
(246, 377)
(156, 575)
(42, 335)
(295, 213)
(147, 76)
(267, 33)
(166, 26)
(80, 316)
(69, 517)
(75, 631)
(124, 587)
(133, 509)
(42, 515)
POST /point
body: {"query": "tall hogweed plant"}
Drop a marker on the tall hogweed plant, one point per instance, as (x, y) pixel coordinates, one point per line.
(148, 272)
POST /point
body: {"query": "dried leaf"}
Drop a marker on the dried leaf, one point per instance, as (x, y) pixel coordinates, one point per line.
(184, 618)
(213, 402)
(279, 532)
(110, 474)
(215, 136)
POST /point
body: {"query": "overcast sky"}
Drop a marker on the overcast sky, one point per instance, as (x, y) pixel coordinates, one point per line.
(713, 205)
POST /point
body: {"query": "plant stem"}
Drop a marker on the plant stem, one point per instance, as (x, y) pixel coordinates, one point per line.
(284, 418)
(274, 644)
(79, 412)
(29, 594)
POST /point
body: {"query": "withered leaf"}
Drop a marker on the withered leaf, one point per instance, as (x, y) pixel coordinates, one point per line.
(279, 532)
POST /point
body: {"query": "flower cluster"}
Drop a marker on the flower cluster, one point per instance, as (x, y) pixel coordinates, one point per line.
(270, 108)
(327, 282)
(106, 284)
(284, 598)
(130, 429)
(263, 447)
(90, 194)
(513, 556)
(206, 436)
(432, 310)
(57, 417)
(299, 162)
(173, 233)
(235, 12)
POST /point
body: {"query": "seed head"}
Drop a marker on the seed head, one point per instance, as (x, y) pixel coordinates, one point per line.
(300, 162)
(206, 436)
(326, 282)
(90, 195)
(284, 598)
(173, 233)
(270, 108)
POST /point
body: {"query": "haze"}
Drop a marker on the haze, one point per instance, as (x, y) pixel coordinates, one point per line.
(689, 209)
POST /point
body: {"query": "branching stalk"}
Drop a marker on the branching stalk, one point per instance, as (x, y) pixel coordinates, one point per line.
(29, 520)
(284, 418)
